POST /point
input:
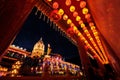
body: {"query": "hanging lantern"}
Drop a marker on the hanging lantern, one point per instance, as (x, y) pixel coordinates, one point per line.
(72, 8)
(75, 14)
(74, 28)
(92, 27)
(69, 21)
(80, 22)
(78, 18)
(87, 16)
(91, 24)
(82, 25)
(79, 34)
(55, 16)
(65, 17)
(55, 5)
(61, 12)
(84, 10)
(72, 25)
(68, 2)
(82, 4)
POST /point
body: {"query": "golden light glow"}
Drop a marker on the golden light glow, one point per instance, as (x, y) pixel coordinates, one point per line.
(79, 34)
(92, 27)
(61, 11)
(78, 18)
(68, 2)
(82, 4)
(75, 14)
(74, 28)
(85, 10)
(49, 0)
(82, 25)
(65, 17)
(69, 21)
(72, 8)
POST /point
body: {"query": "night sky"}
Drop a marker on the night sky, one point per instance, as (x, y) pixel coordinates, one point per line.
(34, 28)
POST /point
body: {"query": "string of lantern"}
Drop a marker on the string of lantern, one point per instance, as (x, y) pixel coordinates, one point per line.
(96, 45)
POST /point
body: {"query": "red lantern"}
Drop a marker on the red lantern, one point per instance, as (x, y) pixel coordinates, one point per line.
(87, 16)
(55, 16)
(82, 4)
(55, 5)
(75, 14)
(68, 2)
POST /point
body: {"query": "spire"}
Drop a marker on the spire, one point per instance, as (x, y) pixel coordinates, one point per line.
(40, 40)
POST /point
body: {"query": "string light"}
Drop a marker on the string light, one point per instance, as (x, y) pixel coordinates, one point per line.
(68, 2)
(61, 11)
(84, 10)
(69, 21)
(72, 8)
(78, 18)
(65, 17)
(75, 14)
(55, 5)
(82, 4)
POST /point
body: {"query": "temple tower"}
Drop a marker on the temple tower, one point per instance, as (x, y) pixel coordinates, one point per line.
(38, 49)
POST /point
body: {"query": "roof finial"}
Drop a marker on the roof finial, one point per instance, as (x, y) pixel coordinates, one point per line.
(41, 39)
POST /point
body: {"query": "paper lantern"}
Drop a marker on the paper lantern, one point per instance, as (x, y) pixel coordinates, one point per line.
(72, 8)
(82, 4)
(65, 17)
(55, 5)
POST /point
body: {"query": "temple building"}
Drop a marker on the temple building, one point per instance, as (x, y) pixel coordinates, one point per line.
(37, 63)
(38, 49)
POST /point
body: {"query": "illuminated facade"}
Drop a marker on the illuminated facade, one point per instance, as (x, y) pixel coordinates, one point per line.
(38, 63)
(38, 49)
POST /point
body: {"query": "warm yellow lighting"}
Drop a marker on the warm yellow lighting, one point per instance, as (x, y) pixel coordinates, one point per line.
(82, 25)
(61, 11)
(78, 18)
(84, 10)
(74, 28)
(91, 39)
(49, 0)
(79, 34)
(75, 14)
(85, 41)
(68, 2)
(82, 4)
(69, 21)
(86, 31)
(88, 35)
(92, 27)
(72, 8)
(95, 33)
(65, 17)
